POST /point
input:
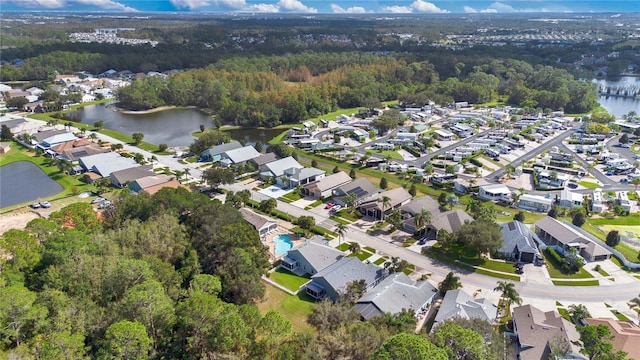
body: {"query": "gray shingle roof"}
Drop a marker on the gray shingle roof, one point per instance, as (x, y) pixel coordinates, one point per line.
(361, 187)
(395, 293)
(330, 181)
(219, 149)
(242, 154)
(414, 206)
(457, 303)
(258, 221)
(318, 255)
(41, 135)
(105, 164)
(131, 174)
(278, 167)
(304, 173)
(349, 269)
(451, 220)
(516, 234)
(264, 159)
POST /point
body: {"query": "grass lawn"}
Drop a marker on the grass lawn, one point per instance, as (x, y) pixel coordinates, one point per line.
(293, 308)
(314, 204)
(391, 154)
(556, 272)
(370, 249)
(381, 260)
(564, 313)
(620, 315)
(349, 216)
(575, 283)
(459, 252)
(288, 279)
(292, 196)
(362, 255)
(71, 183)
(343, 247)
(589, 184)
(339, 220)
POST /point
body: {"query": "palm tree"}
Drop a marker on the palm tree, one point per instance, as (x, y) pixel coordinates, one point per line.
(450, 282)
(578, 312)
(386, 201)
(186, 172)
(509, 292)
(341, 230)
(421, 219)
(634, 304)
(354, 247)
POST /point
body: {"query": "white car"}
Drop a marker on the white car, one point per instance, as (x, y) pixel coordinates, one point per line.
(98, 200)
(336, 208)
(104, 204)
(45, 204)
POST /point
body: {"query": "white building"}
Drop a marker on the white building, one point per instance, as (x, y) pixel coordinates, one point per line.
(535, 203)
(494, 192)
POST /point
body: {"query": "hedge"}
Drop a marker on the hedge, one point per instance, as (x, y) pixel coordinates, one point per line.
(475, 162)
(554, 256)
(411, 150)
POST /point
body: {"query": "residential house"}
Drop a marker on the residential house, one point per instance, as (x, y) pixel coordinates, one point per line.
(494, 192)
(324, 187)
(451, 221)
(296, 176)
(122, 178)
(536, 329)
(570, 199)
(310, 257)
(275, 169)
(623, 200)
(444, 135)
(263, 159)
(360, 135)
(626, 335)
(597, 204)
(71, 144)
(361, 188)
(555, 179)
(57, 139)
(378, 210)
(395, 293)
(519, 243)
(563, 237)
(105, 164)
(383, 146)
(457, 303)
(75, 153)
(263, 224)
(34, 106)
(238, 157)
(15, 125)
(333, 280)
(40, 136)
(215, 153)
(153, 184)
(535, 203)
(464, 185)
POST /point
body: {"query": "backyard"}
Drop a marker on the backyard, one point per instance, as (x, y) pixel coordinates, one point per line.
(288, 279)
(294, 308)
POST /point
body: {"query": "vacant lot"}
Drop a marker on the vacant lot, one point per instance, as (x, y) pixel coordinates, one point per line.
(630, 232)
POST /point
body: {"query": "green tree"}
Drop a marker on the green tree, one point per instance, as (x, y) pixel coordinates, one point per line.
(354, 247)
(422, 219)
(350, 201)
(98, 125)
(137, 138)
(395, 265)
(352, 173)
(578, 219)
(413, 190)
(61, 346)
(336, 169)
(273, 329)
(519, 216)
(481, 235)
(624, 139)
(450, 282)
(559, 347)
(395, 219)
(409, 347)
(306, 222)
(327, 316)
(5, 133)
(458, 342)
(634, 304)
(314, 163)
(341, 230)
(126, 340)
(613, 238)
(18, 313)
(163, 147)
(386, 202)
(268, 205)
(22, 251)
(596, 343)
(217, 176)
(260, 147)
(384, 183)
(508, 292)
(578, 312)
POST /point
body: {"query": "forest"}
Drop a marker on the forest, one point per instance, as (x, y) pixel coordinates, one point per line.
(269, 91)
(177, 276)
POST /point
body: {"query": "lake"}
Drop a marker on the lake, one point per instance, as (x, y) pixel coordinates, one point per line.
(24, 181)
(619, 106)
(172, 127)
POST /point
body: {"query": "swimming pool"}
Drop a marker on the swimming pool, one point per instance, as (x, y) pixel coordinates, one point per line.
(283, 244)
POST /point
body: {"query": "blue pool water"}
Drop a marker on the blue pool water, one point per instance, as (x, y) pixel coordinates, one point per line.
(283, 244)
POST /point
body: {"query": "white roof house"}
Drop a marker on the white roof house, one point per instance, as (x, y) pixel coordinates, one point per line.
(494, 192)
(57, 139)
(570, 199)
(535, 203)
(105, 164)
(277, 168)
(239, 156)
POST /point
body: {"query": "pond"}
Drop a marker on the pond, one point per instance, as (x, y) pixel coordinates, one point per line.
(172, 127)
(24, 181)
(619, 106)
(251, 136)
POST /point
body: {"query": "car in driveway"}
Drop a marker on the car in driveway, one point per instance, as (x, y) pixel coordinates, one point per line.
(625, 146)
(329, 205)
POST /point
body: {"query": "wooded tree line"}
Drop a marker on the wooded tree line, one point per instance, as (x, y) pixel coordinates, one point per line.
(246, 93)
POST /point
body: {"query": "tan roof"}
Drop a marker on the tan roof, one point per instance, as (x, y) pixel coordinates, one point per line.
(566, 235)
(258, 221)
(153, 180)
(396, 197)
(71, 144)
(73, 154)
(330, 182)
(626, 335)
(536, 329)
(174, 184)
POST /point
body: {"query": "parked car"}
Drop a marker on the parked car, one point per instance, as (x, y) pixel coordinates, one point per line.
(98, 200)
(329, 205)
(626, 146)
(104, 204)
(35, 205)
(45, 204)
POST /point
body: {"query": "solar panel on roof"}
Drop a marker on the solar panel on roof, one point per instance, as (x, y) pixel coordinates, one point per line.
(357, 191)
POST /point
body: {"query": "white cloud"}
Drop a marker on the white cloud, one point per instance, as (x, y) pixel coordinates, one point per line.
(233, 4)
(58, 4)
(396, 9)
(498, 7)
(469, 10)
(337, 9)
(296, 5)
(426, 7)
(490, 11)
(263, 8)
(192, 4)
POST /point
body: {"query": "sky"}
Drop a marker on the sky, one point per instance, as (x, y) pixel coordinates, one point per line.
(325, 6)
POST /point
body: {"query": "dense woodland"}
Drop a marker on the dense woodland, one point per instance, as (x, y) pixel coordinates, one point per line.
(176, 276)
(268, 91)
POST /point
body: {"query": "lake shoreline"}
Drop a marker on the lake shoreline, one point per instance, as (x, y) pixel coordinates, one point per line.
(142, 112)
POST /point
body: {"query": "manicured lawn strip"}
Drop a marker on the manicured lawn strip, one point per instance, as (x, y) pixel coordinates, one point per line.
(564, 313)
(497, 275)
(555, 272)
(629, 253)
(292, 196)
(288, 279)
(589, 184)
(370, 249)
(529, 217)
(407, 271)
(339, 220)
(575, 283)
(362, 255)
(293, 308)
(349, 216)
(620, 316)
(602, 272)
(381, 261)
(389, 154)
(460, 252)
(620, 220)
(314, 204)
(343, 247)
